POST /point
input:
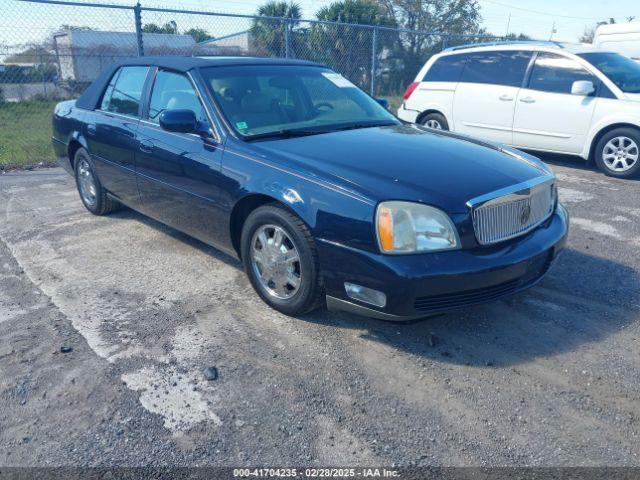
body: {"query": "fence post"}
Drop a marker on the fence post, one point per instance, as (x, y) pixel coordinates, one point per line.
(287, 39)
(137, 14)
(374, 60)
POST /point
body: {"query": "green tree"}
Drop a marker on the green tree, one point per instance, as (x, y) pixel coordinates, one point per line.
(268, 35)
(198, 34)
(412, 50)
(169, 27)
(348, 48)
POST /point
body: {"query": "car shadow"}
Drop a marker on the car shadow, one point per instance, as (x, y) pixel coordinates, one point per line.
(570, 307)
(566, 310)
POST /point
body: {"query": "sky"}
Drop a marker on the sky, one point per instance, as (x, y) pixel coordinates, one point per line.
(22, 22)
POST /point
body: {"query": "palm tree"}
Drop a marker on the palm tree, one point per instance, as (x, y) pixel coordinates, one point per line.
(268, 34)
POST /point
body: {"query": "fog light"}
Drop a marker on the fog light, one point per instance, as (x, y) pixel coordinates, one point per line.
(366, 295)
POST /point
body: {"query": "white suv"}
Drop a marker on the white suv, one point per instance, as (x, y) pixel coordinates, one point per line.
(539, 96)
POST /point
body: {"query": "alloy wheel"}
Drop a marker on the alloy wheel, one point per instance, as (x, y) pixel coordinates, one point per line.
(86, 183)
(433, 124)
(276, 262)
(620, 154)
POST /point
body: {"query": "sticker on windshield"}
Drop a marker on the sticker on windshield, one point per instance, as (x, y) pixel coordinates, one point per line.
(338, 80)
(242, 125)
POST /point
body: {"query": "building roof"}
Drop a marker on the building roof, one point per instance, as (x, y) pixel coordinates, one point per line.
(94, 38)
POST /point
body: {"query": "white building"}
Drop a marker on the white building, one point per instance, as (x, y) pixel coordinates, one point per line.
(83, 54)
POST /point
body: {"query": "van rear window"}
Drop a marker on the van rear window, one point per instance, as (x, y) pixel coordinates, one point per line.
(446, 69)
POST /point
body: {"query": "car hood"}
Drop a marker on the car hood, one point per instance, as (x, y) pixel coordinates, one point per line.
(634, 97)
(406, 162)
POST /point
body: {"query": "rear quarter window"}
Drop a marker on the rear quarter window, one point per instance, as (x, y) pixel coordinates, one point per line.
(446, 69)
(506, 67)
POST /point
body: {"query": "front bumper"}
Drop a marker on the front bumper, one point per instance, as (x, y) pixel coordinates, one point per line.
(421, 285)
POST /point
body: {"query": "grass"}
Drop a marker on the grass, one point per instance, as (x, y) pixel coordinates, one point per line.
(25, 134)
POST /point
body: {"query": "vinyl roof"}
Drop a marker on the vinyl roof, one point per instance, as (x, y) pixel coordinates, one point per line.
(184, 63)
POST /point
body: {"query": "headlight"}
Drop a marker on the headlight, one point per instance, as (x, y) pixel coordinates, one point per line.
(405, 227)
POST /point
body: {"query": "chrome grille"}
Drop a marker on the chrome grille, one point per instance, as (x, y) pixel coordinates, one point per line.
(513, 214)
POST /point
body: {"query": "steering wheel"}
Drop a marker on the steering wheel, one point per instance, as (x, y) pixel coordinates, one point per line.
(324, 107)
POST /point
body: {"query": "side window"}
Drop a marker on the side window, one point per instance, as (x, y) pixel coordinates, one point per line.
(556, 74)
(498, 68)
(124, 91)
(173, 91)
(446, 69)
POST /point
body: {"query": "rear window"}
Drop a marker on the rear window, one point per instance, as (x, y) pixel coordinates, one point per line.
(446, 69)
(498, 68)
(124, 91)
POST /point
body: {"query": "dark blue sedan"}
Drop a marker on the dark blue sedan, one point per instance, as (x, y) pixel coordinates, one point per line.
(324, 195)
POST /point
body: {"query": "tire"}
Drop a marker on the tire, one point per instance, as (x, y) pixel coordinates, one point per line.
(435, 121)
(262, 224)
(92, 194)
(617, 154)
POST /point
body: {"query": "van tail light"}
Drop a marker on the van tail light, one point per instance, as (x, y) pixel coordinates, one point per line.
(410, 90)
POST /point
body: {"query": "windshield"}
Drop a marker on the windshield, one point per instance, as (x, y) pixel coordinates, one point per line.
(284, 100)
(622, 71)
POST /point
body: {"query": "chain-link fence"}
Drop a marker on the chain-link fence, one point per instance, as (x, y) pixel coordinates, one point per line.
(52, 49)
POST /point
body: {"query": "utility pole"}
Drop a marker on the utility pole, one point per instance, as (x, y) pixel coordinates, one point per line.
(508, 24)
(553, 31)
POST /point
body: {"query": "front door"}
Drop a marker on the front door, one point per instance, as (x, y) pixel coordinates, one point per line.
(111, 133)
(548, 116)
(485, 99)
(179, 174)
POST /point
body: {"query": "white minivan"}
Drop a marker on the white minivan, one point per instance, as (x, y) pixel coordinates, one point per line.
(538, 96)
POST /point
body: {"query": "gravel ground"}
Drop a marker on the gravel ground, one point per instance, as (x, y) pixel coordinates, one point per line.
(547, 378)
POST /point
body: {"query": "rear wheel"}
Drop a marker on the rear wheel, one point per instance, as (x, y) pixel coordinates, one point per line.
(94, 197)
(281, 261)
(618, 153)
(435, 121)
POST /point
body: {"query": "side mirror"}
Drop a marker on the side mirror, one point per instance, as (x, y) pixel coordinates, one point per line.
(179, 120)
(384, 102)
(583, 88)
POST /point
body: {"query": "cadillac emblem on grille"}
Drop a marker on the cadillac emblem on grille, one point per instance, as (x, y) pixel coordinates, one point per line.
(525, 213)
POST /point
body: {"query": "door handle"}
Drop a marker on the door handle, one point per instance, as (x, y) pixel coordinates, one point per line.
(506, 98)
(146, 146)
(91, 129)
(528, 100)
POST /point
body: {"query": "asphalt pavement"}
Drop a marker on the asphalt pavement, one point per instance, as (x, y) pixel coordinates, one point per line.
(124, 342)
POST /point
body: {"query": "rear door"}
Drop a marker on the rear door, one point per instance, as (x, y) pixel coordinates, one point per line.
(179, 174)
(111, 129)
(484, 101)
(548, 116)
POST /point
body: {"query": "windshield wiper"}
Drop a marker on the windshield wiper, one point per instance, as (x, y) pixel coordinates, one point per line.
(285, 133)
(356, 126)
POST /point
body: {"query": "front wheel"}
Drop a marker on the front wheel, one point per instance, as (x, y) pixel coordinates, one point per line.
(435, 121)
(281, 260)
(617, 153)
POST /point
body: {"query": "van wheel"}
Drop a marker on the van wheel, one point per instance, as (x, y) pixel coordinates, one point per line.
(618, 153)
(281, 260)
(435, 121)
(93, 195)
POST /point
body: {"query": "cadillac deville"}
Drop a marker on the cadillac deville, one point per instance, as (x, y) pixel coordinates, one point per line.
(325, 196)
